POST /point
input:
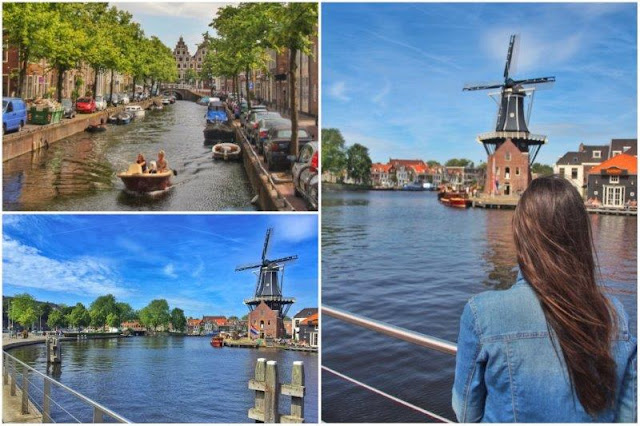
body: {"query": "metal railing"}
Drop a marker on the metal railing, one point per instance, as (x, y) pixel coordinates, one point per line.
(16, 371)
(400, 333)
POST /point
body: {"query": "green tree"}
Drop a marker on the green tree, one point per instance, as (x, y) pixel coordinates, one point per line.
(113, 320)
(23, 310)
(79, 316)
(125, 312)
(334, 158)
(359, 163)
(433, 163)
(56, 319)
(178, 321)
(541, 169)
(155, 314)
(100, 309)
(459, 162)
(294, 27)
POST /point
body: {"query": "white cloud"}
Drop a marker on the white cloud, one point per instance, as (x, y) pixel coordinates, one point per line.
(201, 11)
(338, 91)
(293, 228)
(169, 270)
(26, 266)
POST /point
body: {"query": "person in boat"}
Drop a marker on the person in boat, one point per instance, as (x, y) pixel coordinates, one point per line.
(153, 168)
(140, 160)
(162, 163)
(554, 347)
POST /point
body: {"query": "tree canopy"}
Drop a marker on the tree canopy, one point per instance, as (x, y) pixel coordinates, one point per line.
(334, 157)
(155, 314)
(23, 309)
(359, 163)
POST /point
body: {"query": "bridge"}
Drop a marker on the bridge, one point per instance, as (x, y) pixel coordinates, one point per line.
(183, 92)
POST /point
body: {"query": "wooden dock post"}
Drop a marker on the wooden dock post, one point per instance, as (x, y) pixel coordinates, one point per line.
(54, 351)
(257, 384)
(296, 391)
(271, 393)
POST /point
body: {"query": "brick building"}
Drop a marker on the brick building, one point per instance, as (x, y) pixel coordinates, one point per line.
(508, 171)
(614, 182)
(265, 323)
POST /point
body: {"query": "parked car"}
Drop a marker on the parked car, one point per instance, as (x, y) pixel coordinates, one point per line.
(264, 125)
(101, 103)
(124, 99)
(69, 110)
(113, 99)
(305, 174)
(252, 123)
(86, 105)
(14, 114)
(276, 147)
(244, 115)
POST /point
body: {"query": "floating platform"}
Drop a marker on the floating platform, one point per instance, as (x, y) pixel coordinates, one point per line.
(494, 203)
(612, 211)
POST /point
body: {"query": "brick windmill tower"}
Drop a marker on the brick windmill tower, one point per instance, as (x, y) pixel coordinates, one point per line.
(268, 307)
(511, 148)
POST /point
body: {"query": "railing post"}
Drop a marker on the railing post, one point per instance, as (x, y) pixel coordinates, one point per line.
(296, 391)
(5, 366)
(25, 390)
(97, 415)
(46, 404)
(258, 385)
(13, 377)
(271, 393)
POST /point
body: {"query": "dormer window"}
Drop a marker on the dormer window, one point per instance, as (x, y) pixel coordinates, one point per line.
(626, 148)
(614, 153)
(597, 154)
(507, 156)
(575, 160)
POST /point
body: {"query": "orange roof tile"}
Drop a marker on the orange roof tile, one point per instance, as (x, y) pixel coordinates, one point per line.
(310, 320)
(621, 161)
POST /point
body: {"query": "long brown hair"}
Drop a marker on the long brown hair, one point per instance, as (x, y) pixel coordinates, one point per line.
(554, 245)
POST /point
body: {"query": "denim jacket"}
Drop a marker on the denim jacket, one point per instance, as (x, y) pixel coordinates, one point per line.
(508, 371)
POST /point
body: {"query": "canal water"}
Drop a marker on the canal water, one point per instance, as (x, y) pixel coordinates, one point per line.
(79, 173)
(166, 379)
(403, 258)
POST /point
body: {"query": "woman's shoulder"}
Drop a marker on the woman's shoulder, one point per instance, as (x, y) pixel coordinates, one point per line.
(622, 319)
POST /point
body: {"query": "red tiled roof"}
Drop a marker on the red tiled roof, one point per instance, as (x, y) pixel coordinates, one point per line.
(194, 322)
(406, 163)
(621, 161)
(379, 167)
(218, 320)
(310, 320)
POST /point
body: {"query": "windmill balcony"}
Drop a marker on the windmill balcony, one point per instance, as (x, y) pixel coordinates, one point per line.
(483, 137)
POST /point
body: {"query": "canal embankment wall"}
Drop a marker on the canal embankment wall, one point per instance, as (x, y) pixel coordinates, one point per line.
(29, 140)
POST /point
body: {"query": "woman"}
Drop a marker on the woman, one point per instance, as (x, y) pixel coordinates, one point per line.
(140, 160)
(162, 163)
(553, 348)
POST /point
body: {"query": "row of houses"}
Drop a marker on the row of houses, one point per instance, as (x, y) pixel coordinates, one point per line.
(269, 87)
(397, 172)
(209, 324)
(603, 174)
(266, 323)
(41, 78)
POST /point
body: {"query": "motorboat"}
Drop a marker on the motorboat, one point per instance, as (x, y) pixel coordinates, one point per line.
(216, 112)
(136, 110)
(455, 199)
(217, 342)
(95, 128)
(156, 107)
(123, 118)
(413, 186)
(226, 151)
(166, 100)
(219, 132)
(113, 119)
(135, 180)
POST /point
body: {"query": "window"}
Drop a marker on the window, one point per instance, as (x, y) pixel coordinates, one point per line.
(614, 153)
(574, 173)
(517, 171)
(626, 148)
(5, 52)
(507, 172)
(575, 160)
(597, 154)
(507, 156)
(561, 171)
(614, 179)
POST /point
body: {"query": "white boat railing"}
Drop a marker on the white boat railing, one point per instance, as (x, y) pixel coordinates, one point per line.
(400, 333)
(21, 376)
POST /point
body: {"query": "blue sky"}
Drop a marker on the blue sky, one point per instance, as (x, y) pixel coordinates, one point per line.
(187, 259)
(169, 21)
(393, 74)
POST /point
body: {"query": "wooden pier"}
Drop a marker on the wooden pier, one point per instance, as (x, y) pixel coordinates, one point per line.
(508, 203)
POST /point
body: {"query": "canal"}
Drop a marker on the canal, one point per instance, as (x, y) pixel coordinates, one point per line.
(403, 258)
(167, 379)
(79, 173)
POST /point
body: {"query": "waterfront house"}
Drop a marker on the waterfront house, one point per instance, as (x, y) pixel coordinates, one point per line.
(613, 183)
(575, 165)
(507, 171)
(194, 326)
(265, 323)
(298, 318)
(308, 331)
(212, 324)
(133, 325)
(381, 175)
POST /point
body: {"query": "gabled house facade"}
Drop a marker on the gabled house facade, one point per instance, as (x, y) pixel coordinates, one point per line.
(614, 183)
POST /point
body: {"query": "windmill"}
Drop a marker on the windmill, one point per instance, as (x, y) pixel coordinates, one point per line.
(511, 148)
(270, 281)
(513, 121)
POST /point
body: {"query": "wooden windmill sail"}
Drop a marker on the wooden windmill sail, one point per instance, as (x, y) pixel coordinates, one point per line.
(270, 281)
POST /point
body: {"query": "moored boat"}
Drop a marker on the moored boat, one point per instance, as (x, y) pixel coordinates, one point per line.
(219, 131)
(135, 110)
(454, 199)
(217, 342)
(123, 118)
(413, 186)
(137, 181)
(95, 128)
(226, 151)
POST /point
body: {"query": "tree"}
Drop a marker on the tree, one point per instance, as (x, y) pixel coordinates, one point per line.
(156, 313)
(334, 158)
(125, 312)
(101, 308)
(359, 163)
(79, 316)
(433, 163)
(459, 162)
(56, 319)
(113, 320)
(23, 310)
(178, 321)
(294, 26)
(541, 169)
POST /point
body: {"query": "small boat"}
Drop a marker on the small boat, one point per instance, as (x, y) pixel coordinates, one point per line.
(137, 181)
(166, 101)
(226, 151)
(217, 342)
(124, 118)
(413, 186)
(95, 128)
(135, 110)
(216, 112)
(455, 199)
(113, 119)
(219, 131)
(172, 99)
(203, 100)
